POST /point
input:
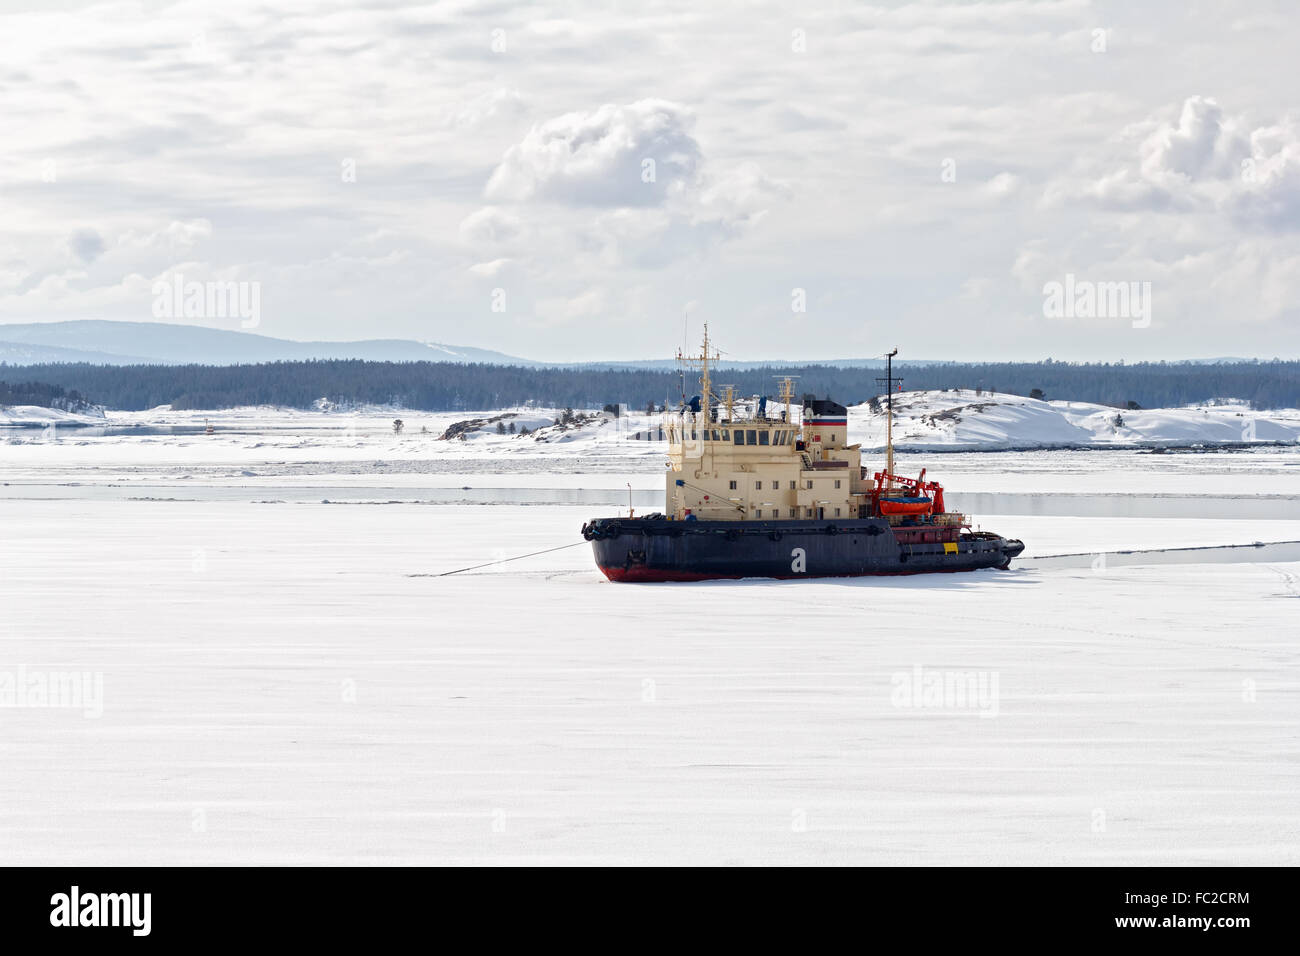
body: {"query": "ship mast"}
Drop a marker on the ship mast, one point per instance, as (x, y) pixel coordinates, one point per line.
(787, 396)
(889, 416)
(702, 363)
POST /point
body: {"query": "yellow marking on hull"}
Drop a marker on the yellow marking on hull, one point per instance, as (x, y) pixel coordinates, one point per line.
(949, 547)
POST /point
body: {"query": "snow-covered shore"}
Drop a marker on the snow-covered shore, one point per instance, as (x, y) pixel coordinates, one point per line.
(38, 416)
(952, 420)
(260, 449)
(961, 419)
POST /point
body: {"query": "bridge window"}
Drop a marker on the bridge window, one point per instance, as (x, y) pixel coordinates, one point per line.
(740, 437)
(764, 437)
(726, 435)
(751, 437)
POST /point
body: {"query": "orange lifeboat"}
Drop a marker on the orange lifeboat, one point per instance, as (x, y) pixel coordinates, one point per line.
(906, 506)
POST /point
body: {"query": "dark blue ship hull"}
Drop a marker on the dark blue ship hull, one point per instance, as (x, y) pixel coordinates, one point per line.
(656, 549)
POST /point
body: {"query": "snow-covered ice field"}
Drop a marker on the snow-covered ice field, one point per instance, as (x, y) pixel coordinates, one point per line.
(283, 682)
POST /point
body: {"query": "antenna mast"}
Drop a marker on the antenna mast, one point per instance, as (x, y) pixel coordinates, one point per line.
(702, 363)
(787, 395)
(686, 343)
(889, 416)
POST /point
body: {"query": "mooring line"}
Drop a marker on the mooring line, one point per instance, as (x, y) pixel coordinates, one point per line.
(489, 564)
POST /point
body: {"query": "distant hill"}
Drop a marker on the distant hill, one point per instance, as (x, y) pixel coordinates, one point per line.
(100, 342)
(132, 343)
(21, 353)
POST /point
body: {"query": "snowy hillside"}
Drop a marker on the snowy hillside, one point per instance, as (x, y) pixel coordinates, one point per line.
(961, 419)
(37, 416)
(924, 421)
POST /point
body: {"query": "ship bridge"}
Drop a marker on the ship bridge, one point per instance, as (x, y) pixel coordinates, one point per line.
(751, 459)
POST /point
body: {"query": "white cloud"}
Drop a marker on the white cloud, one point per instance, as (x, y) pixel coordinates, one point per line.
(488, 270)
(1270, 194)
(1203, 144)
(597, 182)
(738, 198)
(499, 104)
(177, 236)
(1203, 161)
(633, 155)
(1001, 185)
(490, 225)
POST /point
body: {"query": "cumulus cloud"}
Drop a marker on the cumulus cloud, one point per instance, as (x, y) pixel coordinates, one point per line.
(1204, 161)
(1202, 144)
(624, 186)
(1270, 177)
(1216, 253)
(633, 155)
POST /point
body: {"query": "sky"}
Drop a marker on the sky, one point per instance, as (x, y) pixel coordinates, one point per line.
(584, 181)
